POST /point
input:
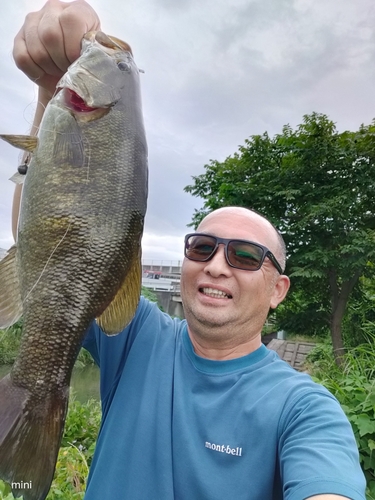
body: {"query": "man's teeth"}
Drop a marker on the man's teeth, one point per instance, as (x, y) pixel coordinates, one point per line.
(212, 292)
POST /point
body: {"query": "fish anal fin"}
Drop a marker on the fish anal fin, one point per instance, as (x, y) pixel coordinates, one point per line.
(30, 436)
(25, 142)
(10, 295)
(121, 310)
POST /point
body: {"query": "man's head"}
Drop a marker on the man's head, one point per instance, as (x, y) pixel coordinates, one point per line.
(225, 304)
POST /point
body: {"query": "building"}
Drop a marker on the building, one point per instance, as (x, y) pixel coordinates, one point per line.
(162, 266)
(163, 277)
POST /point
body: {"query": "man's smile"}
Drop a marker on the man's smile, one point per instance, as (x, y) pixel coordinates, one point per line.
(215, 293)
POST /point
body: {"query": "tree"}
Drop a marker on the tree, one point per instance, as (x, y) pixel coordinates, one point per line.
(318, 187)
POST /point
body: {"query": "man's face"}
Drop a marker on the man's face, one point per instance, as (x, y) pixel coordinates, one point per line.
(224, 303)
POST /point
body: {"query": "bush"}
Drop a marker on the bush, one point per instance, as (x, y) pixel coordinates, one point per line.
(354, 387)
(359, 406)
(82, 426)
(84, 358)
(10, 343)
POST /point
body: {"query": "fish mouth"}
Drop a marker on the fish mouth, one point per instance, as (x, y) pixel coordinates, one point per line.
(75, 102)
(77, 106)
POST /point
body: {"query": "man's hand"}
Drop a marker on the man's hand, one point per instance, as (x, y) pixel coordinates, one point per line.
(50, 40)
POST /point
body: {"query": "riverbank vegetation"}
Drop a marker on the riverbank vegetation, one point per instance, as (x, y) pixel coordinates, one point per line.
(353, 384)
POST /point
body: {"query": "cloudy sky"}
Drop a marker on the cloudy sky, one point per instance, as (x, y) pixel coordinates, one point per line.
(216, 72)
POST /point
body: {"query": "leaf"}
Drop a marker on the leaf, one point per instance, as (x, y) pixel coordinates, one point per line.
(365, 424)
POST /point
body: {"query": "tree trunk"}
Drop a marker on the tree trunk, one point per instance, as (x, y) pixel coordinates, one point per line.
(336, 321)
(340, 298)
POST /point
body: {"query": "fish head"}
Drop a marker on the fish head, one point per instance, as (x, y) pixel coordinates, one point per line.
(95, 81)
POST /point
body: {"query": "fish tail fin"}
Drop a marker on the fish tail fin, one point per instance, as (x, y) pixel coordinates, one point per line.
(30, 436)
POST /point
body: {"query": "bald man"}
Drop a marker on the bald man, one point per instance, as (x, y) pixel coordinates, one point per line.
(200, 409)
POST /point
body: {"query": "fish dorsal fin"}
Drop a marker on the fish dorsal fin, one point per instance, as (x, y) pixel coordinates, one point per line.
(26, 142)
(121, 310)
(10, 296)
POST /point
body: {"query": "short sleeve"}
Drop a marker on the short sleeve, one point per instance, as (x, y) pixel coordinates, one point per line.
(317, 449)
(110, 351)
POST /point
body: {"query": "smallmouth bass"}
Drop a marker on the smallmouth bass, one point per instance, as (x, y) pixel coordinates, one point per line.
(78, 250)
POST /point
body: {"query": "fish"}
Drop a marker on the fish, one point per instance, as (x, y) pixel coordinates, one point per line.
(77, 257)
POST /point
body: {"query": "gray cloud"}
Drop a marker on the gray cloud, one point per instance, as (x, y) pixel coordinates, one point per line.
(216, 72)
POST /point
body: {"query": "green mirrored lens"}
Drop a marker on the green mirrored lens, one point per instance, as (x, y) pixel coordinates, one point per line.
(244, 255)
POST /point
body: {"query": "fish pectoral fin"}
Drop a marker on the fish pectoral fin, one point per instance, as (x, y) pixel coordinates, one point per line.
(30, 435)
(121, 310)
(25, 142)
(10, 295)
(17, 178)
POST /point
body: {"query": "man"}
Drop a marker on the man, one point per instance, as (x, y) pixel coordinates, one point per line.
(200, 409)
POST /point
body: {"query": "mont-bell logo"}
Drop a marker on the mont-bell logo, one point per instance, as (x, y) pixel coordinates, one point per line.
(224, 448)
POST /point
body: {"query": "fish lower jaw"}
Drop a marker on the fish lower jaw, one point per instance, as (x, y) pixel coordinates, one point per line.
(82, 110)
(77, 107)
(213, 292)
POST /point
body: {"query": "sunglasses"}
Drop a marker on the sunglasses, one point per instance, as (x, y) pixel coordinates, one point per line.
(240, 254)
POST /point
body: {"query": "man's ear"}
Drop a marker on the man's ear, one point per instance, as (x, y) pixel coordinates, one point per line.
(280, 290)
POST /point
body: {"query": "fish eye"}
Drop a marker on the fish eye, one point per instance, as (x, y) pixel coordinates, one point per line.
(123, 66)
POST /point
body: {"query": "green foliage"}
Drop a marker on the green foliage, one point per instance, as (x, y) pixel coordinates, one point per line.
(76, 452)
(84, 358)
(321, 356)
(317, 186)
(71, 474)
(357, 398)
(82, 425)
(9, 343)
(354, 387)
(302, 314)
(359, 322)
(149, 294)
(5, 492)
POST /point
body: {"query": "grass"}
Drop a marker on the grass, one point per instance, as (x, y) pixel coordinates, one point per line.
(354, 386)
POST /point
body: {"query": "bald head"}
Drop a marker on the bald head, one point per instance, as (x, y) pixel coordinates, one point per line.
(262, 230)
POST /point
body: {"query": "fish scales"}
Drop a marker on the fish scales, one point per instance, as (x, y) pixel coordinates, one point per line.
(78, 247)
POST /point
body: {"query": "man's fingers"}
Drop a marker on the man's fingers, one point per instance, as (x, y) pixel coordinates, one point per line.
(73, 27)
(29, 52)
(50, 40)
(52, 56)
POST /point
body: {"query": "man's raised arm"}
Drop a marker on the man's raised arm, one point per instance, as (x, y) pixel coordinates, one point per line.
(48, 42)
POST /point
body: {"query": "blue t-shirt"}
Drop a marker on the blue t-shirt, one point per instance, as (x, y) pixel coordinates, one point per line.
(178, 426)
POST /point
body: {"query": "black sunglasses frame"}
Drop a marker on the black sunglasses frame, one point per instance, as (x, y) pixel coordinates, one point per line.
(265, 251)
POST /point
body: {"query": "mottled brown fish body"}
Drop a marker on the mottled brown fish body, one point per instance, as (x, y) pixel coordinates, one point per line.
(78, 249)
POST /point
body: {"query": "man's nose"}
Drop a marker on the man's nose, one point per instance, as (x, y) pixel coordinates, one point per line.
(218, 264)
